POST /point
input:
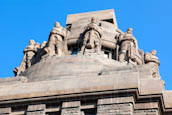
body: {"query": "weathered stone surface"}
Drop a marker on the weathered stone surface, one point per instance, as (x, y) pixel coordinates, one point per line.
(92, 37)
(36, 113)
(71, 108)
(167, 95)
(71, 111)
(77, 28)
(5, 111)
(153, 61)
(13, 80)
(151, 86)
(101, 15)
(36, 109)
(56, 41)
(77, 85)
(145, 106)
(74, 66)
(115, 109)
(117, 100)
(110, 77)
(146, 112)
(129, 48)
(71, 104)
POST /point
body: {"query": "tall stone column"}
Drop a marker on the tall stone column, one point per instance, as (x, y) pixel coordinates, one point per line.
(36, 109)
(71, 108)
(115, 106)
(5, 111)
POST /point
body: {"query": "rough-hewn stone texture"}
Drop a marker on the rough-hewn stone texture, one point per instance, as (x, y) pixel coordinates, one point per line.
(71, 108)
(36, 109)
(5, 111)
(115, 106)
(146, 112)
(115, 109)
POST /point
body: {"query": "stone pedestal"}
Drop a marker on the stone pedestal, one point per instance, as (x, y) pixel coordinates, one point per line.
(36, 109)
(71, 108)
(115, 106)
(5, 111)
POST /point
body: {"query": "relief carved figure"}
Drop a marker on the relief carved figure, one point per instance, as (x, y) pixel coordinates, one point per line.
(28, 59)
(92, 37)
(129, 48)
(56, 41)
(152, 59)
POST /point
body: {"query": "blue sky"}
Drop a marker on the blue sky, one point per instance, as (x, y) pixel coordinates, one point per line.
(21, 20)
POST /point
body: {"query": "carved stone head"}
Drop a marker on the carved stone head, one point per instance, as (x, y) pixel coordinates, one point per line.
(57, 24)
(153, 52)
(93, 20)
(31, 42)
(130, 30)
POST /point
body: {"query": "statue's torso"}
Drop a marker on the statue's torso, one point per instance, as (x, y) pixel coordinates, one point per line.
(58, 31)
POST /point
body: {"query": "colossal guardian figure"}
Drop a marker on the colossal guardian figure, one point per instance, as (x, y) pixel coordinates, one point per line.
(92, 37)
(129, 48)
(28, 59)
(152, 59)
(56, 40)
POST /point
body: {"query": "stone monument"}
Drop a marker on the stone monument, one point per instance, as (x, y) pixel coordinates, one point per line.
(89, 67)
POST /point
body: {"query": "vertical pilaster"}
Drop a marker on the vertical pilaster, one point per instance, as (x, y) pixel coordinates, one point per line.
(115, 106)
(71, 108)
(36, 109)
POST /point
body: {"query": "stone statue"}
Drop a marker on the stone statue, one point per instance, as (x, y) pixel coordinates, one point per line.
(16, 71)
(40, 51)
(30, 51)
(129, 48)
(55, 44)
(92, 37)
(152, 59)
(43, 44)
(28, 59)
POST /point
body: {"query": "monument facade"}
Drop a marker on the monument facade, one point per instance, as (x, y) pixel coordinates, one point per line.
(89, 67)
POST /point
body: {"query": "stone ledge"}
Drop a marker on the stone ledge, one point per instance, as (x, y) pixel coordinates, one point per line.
(147, 87)
(116, 100)
(101, 15)
(61, 87)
